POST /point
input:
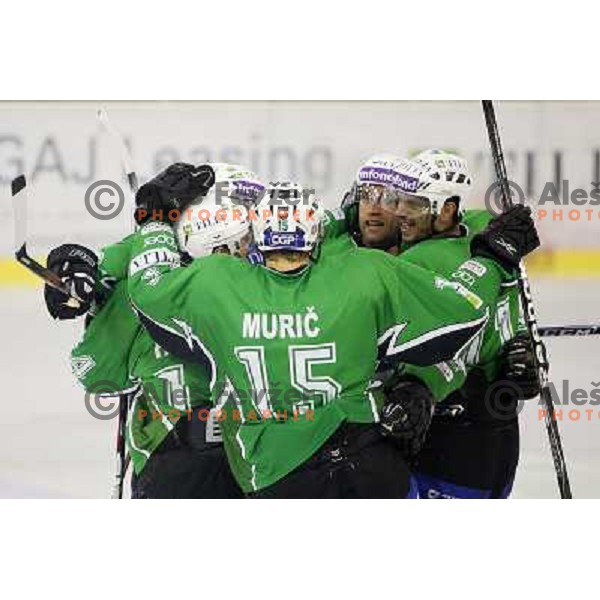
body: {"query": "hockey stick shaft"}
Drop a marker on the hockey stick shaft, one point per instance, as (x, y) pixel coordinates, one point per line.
(122, 459)
(122, 149)
(560, 465)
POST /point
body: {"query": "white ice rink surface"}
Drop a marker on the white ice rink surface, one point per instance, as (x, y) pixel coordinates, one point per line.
(50, 447)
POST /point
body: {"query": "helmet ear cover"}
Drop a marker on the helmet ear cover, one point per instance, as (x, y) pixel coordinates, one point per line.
(350, 209)
(458, 214)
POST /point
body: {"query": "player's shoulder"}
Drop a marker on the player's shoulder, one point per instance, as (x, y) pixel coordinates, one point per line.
(113, 259)
(215, 264)
(476, 219)
(333, 224)
(371, 260)
(436, 251)
(332, 216)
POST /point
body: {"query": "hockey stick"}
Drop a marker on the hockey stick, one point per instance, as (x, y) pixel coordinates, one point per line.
(560, 465)
(19, 193)
(122, 456)
(121, 147)
(122, 150)
(569, 330)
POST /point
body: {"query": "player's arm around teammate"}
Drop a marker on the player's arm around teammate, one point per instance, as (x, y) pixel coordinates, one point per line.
(171, 433)
(216, 308)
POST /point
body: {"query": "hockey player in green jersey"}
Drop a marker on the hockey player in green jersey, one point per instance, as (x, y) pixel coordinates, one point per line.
(172, 434)
(293, 346)
(472, 446)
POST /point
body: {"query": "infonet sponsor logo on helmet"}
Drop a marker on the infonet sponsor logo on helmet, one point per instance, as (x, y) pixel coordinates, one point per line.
(248, 189)
(379, 175)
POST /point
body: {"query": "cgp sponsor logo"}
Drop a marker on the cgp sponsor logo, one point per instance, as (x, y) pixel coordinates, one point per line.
(381, 175)
(283, 239)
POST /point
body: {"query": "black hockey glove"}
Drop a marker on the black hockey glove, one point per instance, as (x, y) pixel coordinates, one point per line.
(508, 238)
(164, 197)
(406, 415)
(519, 366)
(77, 266)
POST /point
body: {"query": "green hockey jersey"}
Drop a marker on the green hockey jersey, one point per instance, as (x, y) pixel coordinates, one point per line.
(451, 257)
(117, 356)
(291, 356)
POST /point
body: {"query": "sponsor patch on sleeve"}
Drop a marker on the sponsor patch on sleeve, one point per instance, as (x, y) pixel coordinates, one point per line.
(473, 299)
(475, 267)
(154, 258)
(155, 227)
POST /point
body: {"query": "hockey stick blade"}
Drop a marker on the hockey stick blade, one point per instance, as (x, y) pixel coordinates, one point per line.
(19, 201)
(121, 148)
(18, 186)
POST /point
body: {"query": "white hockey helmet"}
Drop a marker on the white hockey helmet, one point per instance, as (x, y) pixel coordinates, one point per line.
(288, 217)
(451, 175)
(237, 182)
(219, 219)
(390, 171)
(386, 179)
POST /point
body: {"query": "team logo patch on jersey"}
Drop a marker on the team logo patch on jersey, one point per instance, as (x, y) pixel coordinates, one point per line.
(82, 365)
(475, 267)
(151, 276)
